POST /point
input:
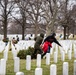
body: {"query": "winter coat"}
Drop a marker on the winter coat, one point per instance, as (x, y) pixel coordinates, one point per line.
(45, 46)
(51, 39)
(38, 42)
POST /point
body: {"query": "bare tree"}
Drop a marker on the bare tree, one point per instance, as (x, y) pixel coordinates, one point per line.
(22, 6)
(6, 7)
(50, 14)
(35, 14)
(66, 18)
(72, 20)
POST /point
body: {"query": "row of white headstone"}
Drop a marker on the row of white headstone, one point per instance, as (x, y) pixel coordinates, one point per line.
(66, 46)
(48, 56)
(28, 59)
(22, 44)
(28, 64)
(39, 70)
(53, 69)
(3, 60)
(2, 46)
(69, 52)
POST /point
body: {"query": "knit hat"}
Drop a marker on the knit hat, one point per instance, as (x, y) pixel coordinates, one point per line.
(53, 34)
(42, 35)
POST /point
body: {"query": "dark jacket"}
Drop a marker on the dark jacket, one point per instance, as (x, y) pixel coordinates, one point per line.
(52, 39)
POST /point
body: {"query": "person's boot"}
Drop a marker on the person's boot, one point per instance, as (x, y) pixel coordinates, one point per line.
(41, 56)
(33, 56)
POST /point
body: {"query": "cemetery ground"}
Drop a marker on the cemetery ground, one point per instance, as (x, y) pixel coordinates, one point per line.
(46, 68)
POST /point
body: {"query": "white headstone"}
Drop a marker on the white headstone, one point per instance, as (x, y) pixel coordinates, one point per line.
(2, 67)
(65, 68)
(55, 57)
(53, 69)
(74, 67)
(14, 53)
(28, 62)
(62, 55)
(38, 71)
(47, 58)
(75, 53)
(71, 46)
(19, 73)
(51, 50)
(69, 54)
(5, 55)
(38, 60)
(56, 49)
(16, 64)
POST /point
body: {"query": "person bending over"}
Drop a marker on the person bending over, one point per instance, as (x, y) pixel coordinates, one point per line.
(47, 44)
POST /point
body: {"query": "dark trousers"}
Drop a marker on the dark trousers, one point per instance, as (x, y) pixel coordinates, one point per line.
(35, 52)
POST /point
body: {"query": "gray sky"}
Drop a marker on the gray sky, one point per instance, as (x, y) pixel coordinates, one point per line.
(71, 3)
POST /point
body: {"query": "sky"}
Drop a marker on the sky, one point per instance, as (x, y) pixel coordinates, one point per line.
(71, 3)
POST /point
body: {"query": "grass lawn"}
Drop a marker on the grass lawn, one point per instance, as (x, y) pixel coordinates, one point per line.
(46, 68)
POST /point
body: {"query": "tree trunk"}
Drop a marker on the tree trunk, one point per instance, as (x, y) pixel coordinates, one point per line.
(5, 19)
(36, 29)
(68, 32)
(5, 28)
(5, 31)
(48, 31)
(64, 33)
(23, 32)
(50, 28)
(73, 31)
